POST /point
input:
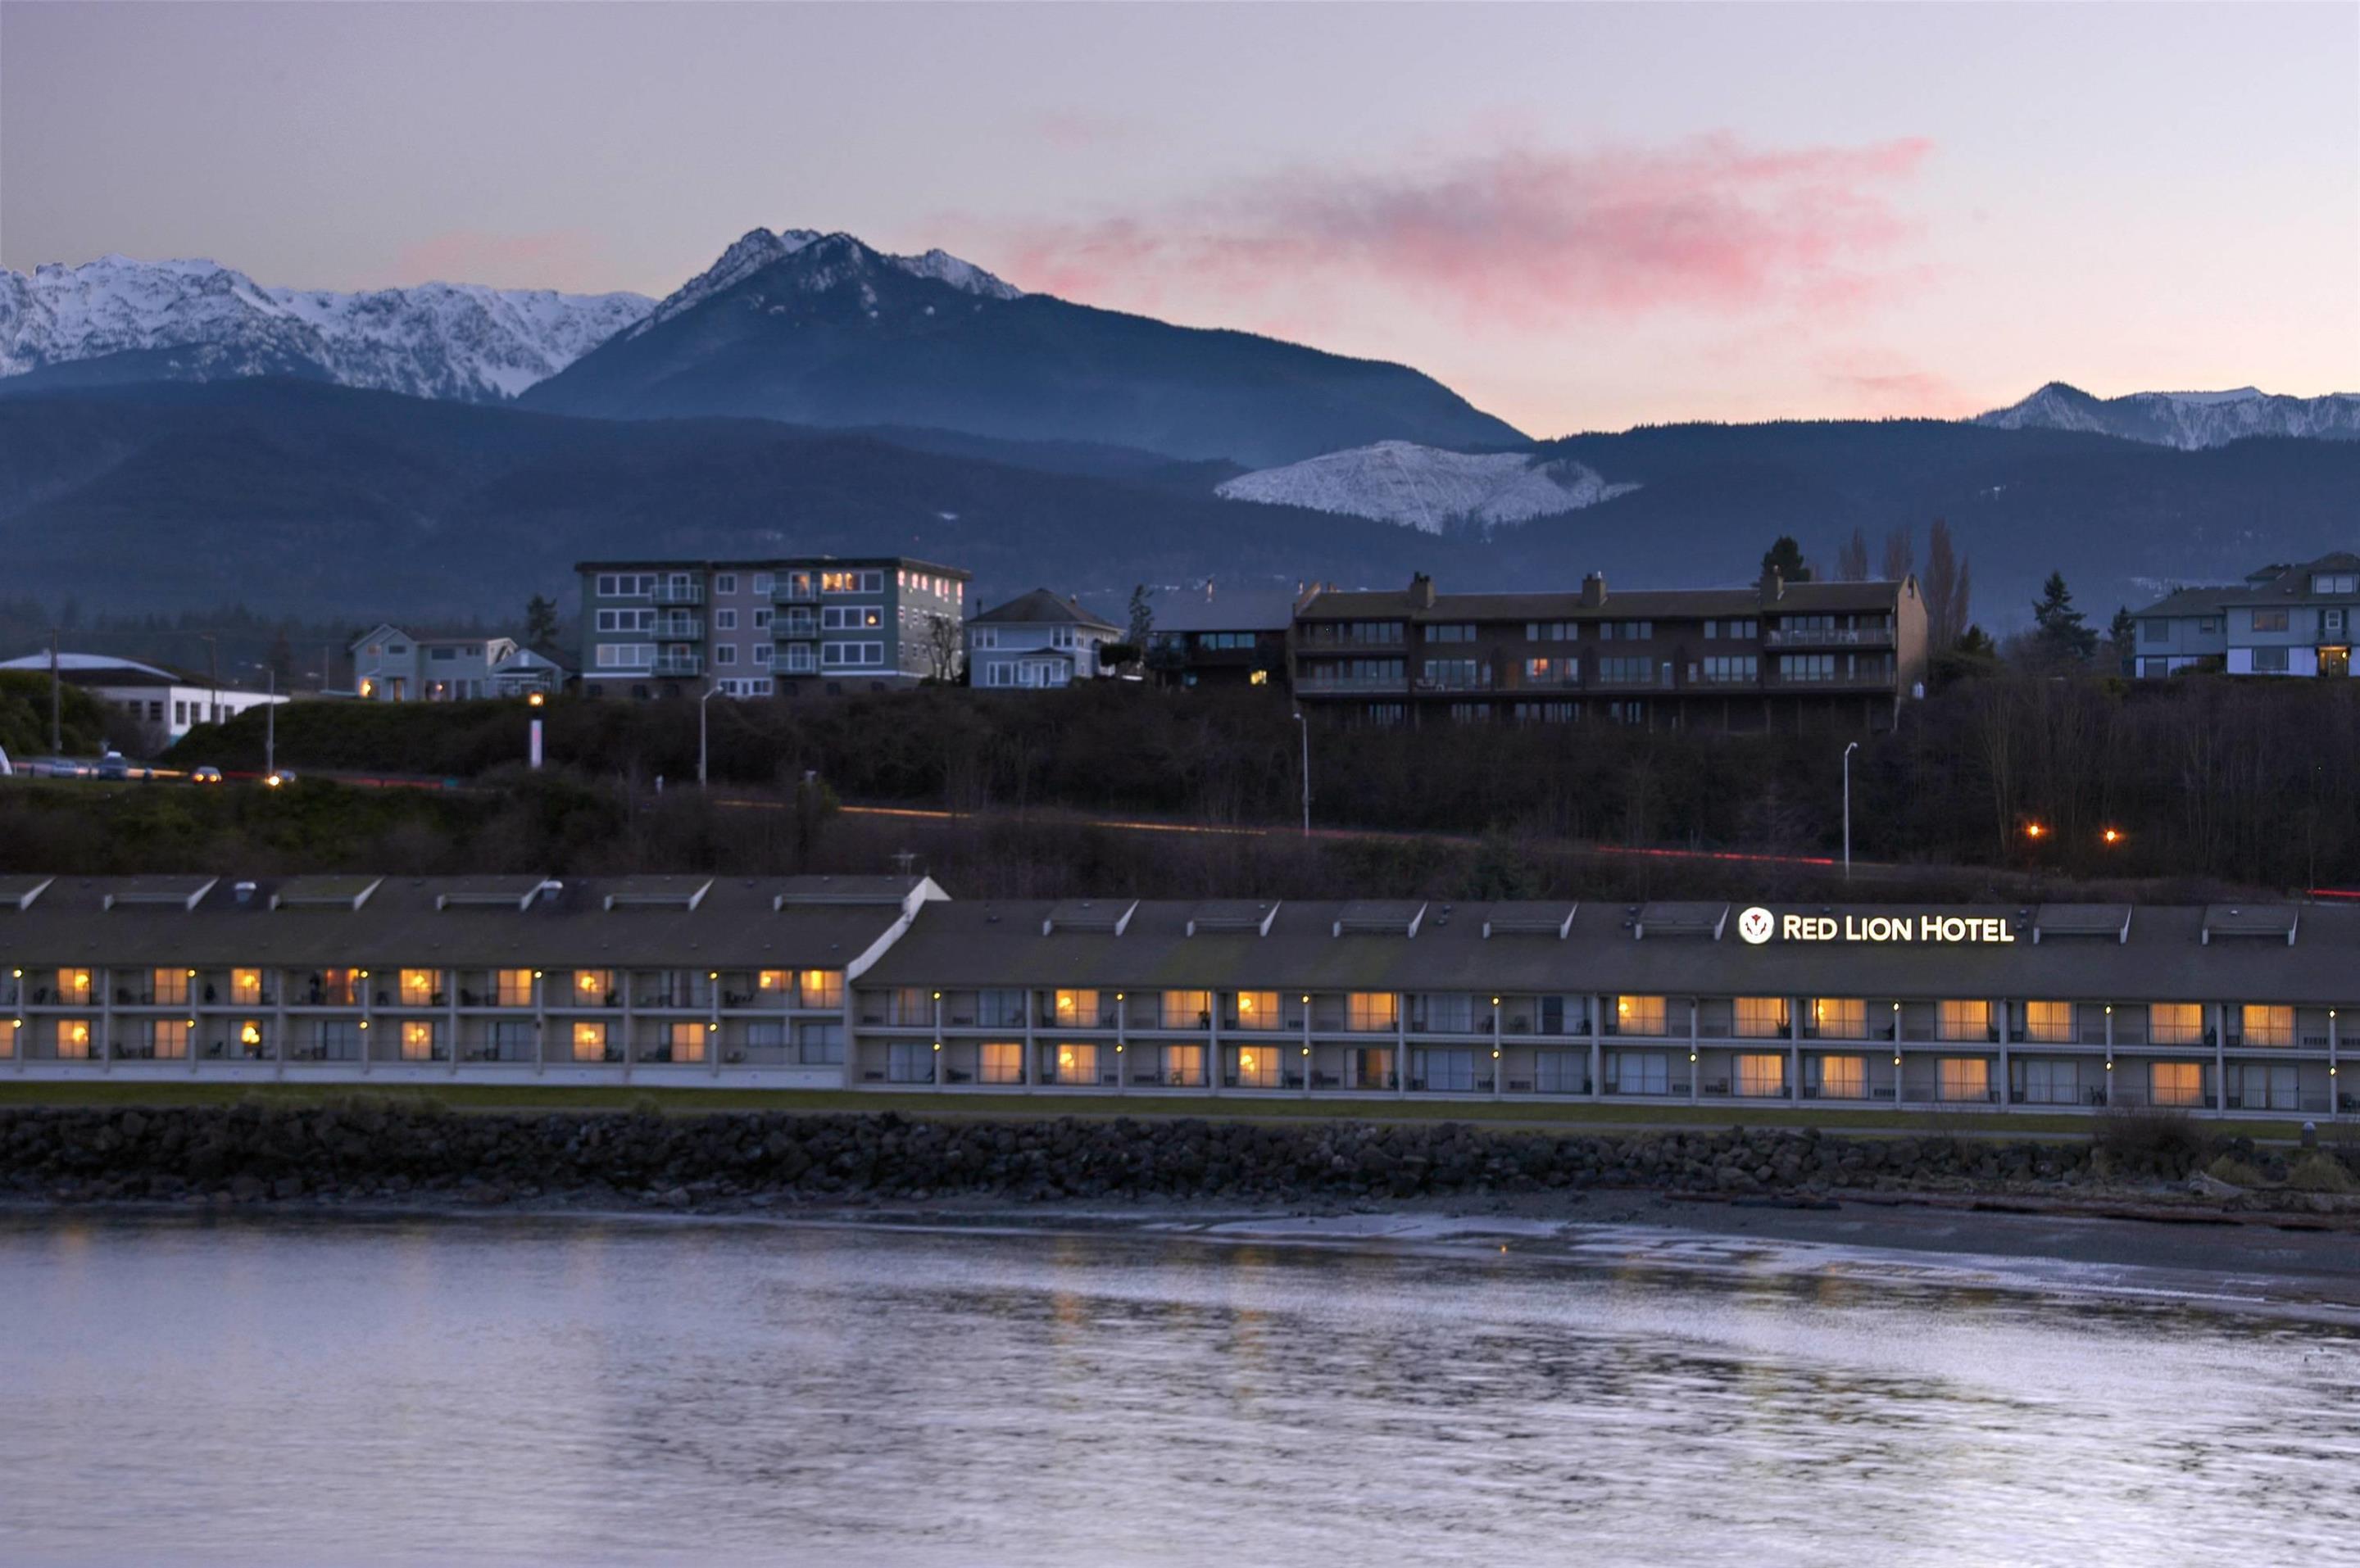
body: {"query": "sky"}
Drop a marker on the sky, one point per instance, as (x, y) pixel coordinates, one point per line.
(1580, 216)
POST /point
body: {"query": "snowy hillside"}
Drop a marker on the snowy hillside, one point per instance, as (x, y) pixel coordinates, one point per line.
(2188, 420)
(760, 249)
(202, 321)
(1427, 487)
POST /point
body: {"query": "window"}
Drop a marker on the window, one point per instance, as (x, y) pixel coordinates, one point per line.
(1076, 1064)
(623, 585)
(1544, 713)
(823, 988)
(74, 987)
(763, 618)
(73, 1039)
(984, 637)
(1552, 631)
(1074, 1009)
(512, 1040)
(1840, 1077)
(1443, 1071)
(1560, 1073)
(589, 1042)
(418, 1039)
(910, 1061)
(1453, 672)
(1457, 631)
(1639, 1015)
(851, 619)
(763, 654)
(1002, 1061)
(1368, 1011)
(2336, 582)
(725, 653)
(1000, 1008)
(1551, 671)
(725, 620)
(1258, 1066)
(2155, 631)
(1957, 1019)
(852, 582)
(819, 1044)
(2049, 1023)
(2269, 620)
(246, 987)
(1186, 1009)
(420, 987)
(1804, 668)
(513, 988)
(685, 1041)
(1762, 1076)
(1625, 671)
(1962, 1078)
(1638, 1072)
(2052, 1083)
(2267, 1026)
(1761, 1018)
(725, 583)
(626, 655)
(2271, 661)
(334, 988)
(2175, 1084)
(249, 1037)
(168, 1039)
(2331, 622)
(1625, 631)
(1257, 1010)
(169, 987)
(2257, 1087)
(1729, 669)
(852, 655)
(180, 713)
(1183, 1064)
(1735, 631)
(1361, 632)
(1451, 1013)
(799, 659)
(593, 988)
(763, 582)
(2175, 1023)
(626, 620)
(2210, 625)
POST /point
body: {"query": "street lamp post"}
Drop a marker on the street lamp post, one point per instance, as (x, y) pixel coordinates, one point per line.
(1847, 807)
(1305, 724)
(710, 694)
(270, 727)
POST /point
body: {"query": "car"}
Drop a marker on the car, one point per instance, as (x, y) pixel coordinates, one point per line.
(114, 765)
(279, 778)
(208, 774)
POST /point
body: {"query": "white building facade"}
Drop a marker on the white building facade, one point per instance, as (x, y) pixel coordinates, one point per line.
(1037, 640)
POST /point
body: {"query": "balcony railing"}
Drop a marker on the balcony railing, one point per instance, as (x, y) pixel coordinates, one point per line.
(787, 593)
(1321, 685)
(679, 594)
(1829, 636)
(677, 665)
(687, 628)
(797, 626)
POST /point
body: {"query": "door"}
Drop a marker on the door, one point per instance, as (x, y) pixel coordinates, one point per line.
(2336, 661)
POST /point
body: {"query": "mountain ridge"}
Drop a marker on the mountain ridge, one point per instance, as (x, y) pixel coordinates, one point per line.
(2188, 420)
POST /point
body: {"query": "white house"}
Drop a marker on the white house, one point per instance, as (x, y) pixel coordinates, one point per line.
(391, 665)
(164, 703)
(1036, 639)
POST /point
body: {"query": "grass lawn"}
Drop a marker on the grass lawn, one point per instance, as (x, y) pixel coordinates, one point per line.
(1003, 1107)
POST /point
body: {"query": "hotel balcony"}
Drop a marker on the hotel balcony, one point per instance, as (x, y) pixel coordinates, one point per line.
(1352, 686)
(788, 592)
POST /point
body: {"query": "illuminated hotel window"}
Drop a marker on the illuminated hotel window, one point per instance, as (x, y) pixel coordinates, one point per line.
(513, 987)
(1962, 1020)
(73, 1039)
(2050, 1023)
(1078, 1063)
(774, 980)
(1075, 1010)
(593, 987)
(822, 989)
(1839, 1018)
(1368, 1011)
(419, 987)
(1184, 1064)
(73, 986)
(1258, 1067)
(1639, 1015)
(171, 1040)
(2175, 1084)
(2175, 1023)
(1964, 1078)
(1258, 1010)
(8, 1028)
(418, 1039)
(2268, 1026)
(1763, 1076)
(589, 1042)
(1186, 1009)
(339, 987)
(169, 986)
(1002, 1062)
(246, 987)
(687, 1042)
(249, 1037)
(1842, 1077)
(1761, 1018)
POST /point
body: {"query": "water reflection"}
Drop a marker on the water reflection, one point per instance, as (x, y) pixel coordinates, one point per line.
(581, 1390)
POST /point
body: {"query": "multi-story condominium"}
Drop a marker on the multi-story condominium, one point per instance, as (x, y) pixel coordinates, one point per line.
(2282, 620)
(1234, 637)
(1775, 656)
(758, 628)
(886, 984)
(391, 665)
(1037, 639)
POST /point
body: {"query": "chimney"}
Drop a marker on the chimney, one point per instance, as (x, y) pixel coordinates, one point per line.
(1774, 586)
(1209, 589)
(1421, 592)
(1593, 590)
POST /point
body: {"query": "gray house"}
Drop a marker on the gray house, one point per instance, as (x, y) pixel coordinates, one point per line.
(1036, 639)
(2282, 620)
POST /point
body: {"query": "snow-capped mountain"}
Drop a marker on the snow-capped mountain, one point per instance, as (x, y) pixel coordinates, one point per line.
(761, 248)
(199, 321)
(1427, 487)
(2188, 420)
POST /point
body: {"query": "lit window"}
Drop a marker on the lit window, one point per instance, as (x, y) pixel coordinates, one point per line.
(170, 986)
(246, 987)
(419, 987)
(1258, 1067)
(774, 980)
(171, 1040)
(1958, 1020)
(2050, 1023)
(1763, 1076)
(594, 987)
(513, 987)
(418, 1039)
(1186, 1009)
(1002, 1062)
(1372, 1010)
(2268, 1026)
(687, 1042)
(1843, 1077)
(1839, 1018)
(2175, 1023)
(1258, 1010)
(73, 986)
(589, 1042)
(1964, 1078)
(1761, 1018)
(1076, 1010)
(2176, 1083)
(73, 1039)
(1078, 1063)
(249, 1035)
(822, 987)
(1639, 1015)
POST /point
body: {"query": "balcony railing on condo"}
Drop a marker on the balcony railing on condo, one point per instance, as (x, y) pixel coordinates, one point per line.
(676, 665)
(790, 591)
(1829, 637)
(679, 593)
(686, 628)
(1319, 684)
(795, 625)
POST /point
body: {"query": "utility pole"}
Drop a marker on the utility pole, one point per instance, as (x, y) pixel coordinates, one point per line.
(270, 729)
(1306, 770)
(1847, 807)
(56, 746)
(212, 672)
(711, 692)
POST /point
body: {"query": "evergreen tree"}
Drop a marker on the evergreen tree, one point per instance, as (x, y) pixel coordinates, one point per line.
(1786, 557)
(539, 622)
(1142, 616)
(2060, 627)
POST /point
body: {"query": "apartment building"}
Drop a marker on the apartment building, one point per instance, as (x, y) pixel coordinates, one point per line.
(886, 984)
(1777, 655)
(1037, 639)
(2281, 620)
(1235, 637)
(759, 628)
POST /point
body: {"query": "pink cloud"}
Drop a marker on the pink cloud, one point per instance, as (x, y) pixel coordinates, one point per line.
(569, 259)
(1868, 383)
(1519, 237)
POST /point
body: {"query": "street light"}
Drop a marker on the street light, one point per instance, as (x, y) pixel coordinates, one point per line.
(1847, 807)
(711, 692)
(1306, 770)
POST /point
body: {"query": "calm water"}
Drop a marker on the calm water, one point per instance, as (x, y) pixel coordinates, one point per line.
(573, 1390)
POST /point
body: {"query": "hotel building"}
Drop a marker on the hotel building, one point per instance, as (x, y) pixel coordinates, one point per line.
(760, 628)
(888, 985)
(1777, 655)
